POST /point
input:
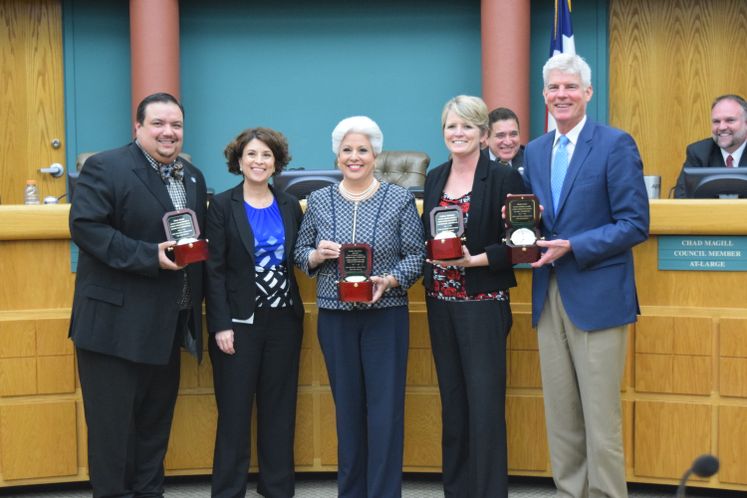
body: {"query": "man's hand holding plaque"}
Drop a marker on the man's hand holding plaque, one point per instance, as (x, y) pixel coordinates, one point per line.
(447, 228)
(355, 264)
(181, 226)
(522, 227)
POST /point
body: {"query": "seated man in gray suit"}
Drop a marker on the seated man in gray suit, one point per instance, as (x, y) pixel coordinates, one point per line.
(726, 147)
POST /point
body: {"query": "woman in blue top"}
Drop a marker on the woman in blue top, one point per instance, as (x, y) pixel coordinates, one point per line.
(254, 315)
(364, 344)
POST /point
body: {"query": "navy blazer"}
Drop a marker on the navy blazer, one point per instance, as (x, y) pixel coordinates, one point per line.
(124, 304)
(231, 287)
(704, 153)
(603, 211)
(484, 229)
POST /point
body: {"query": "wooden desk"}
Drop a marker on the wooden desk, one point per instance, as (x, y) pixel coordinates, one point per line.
(684, 390)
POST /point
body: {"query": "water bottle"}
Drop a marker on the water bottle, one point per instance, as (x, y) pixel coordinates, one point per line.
(31, 193)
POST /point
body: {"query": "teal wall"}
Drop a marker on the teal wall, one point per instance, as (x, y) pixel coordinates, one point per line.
(300, 67)
(96, 50)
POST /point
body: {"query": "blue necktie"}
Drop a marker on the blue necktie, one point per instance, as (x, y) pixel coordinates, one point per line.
(558, 170)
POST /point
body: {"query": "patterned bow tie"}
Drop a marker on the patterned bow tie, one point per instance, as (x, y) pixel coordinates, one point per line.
(174, 170)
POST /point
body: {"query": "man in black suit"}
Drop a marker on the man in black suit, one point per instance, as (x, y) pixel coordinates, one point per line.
(133, 306)
(503, 142)
(726, 147)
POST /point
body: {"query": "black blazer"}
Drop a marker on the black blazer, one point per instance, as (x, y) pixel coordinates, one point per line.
(231, 289)
(124, 305)
(704, 153)
(484, 229)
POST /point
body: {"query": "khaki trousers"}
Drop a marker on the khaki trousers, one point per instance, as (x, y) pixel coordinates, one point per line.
(581, 374)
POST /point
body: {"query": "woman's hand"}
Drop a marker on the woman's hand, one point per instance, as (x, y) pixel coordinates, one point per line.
(224, 340)
(381, 285)
(326, 249)
(466, 261)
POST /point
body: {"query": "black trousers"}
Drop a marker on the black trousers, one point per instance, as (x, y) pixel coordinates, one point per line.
(129, 408)
(468, 339)
(265, 365)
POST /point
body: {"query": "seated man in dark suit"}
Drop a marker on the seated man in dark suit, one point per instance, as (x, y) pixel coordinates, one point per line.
(503, 139)
(726, 147)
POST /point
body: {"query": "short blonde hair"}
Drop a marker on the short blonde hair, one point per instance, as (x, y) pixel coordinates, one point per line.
(471, 109)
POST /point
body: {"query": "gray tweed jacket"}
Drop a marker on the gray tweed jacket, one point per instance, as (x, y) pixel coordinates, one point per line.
(388, 221)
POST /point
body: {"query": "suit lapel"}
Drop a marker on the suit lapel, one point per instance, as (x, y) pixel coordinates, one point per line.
(433, 195)
(286, 213)
(190, 187)
(543, 176)
(150, 178)
(242, 223)
(478, 197)
(580, 153)
(716, 158)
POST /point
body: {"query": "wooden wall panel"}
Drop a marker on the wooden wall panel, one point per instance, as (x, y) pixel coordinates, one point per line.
(38, 440)
(304, 449)
(732, 436)
(733, 357)
(527, 438)
(36, 274)
(700, 333)
(328, 430)
(423, 430)
(673, 355)
(669, 436)
(193, 433)
(31, 96)
(668, 61)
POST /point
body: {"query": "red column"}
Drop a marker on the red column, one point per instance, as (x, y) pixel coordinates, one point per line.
(505, 26)
(154, 47)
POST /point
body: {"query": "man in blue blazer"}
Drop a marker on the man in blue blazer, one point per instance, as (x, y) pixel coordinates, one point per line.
(133, 306)
(726, 146)
(589, 179)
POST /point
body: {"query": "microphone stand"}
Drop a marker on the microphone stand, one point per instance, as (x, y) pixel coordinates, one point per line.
(683, 483)
(703, 466)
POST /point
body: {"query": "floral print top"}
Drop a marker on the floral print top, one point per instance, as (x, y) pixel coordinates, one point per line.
(448, 281)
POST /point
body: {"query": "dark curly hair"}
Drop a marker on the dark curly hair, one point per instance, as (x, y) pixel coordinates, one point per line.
(274, 140)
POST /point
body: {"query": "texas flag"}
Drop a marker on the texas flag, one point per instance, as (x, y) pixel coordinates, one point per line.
(561, 41)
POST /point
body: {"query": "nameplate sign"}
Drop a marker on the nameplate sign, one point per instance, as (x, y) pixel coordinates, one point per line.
(703, 252)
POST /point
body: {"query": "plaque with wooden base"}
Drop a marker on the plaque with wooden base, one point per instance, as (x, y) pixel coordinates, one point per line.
(355, 264)
(181, 226)
(447, 228)
(522, 227)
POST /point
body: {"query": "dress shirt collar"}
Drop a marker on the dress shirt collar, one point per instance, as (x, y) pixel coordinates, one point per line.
(572, 135)
(736, 155)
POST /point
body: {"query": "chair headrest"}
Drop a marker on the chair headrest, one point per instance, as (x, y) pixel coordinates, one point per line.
(404, 168)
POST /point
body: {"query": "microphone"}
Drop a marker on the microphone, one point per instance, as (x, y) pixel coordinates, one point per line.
(703, 466)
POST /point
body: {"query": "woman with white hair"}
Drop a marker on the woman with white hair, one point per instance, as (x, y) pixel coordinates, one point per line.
(364, 343)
